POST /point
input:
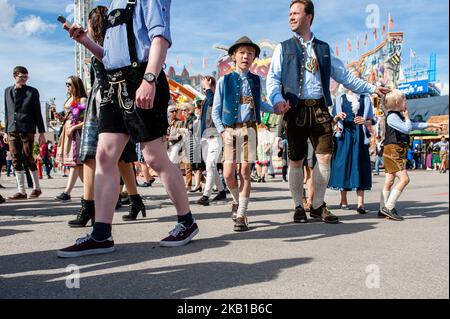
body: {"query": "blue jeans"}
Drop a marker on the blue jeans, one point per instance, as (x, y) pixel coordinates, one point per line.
(8, 167)
(377, 164)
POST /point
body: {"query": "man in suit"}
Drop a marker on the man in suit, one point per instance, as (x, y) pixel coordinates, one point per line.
(22, 116)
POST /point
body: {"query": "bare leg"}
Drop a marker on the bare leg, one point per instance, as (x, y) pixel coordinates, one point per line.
(360, 195)
(344, 201)
(258, 170)
(229, 173)
(129, 179)
(310, 186)
(245, 173)
(109, 149)
(74, 173)
(155, 155)
(89, 177)
(144, 171)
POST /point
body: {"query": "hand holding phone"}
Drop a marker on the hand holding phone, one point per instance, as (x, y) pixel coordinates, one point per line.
(76, 31)
(63, 20)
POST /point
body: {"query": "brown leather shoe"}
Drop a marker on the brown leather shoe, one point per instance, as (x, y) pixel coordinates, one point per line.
(241, 224)
(35, 193)
(18, 196)
(324, 214)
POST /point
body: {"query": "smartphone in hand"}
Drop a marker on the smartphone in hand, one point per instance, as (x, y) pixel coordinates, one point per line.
(63, 20)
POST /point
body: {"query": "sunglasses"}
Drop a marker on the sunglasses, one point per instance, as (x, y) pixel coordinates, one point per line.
(172, 111)
(23, 77)
(68, 84)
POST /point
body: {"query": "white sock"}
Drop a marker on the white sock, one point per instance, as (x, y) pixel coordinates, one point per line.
(383, 198)
(20, 177)
(243, 205)
(296, 185)
(321, 175)
(393, 198)
(235, 194)
(35, 178)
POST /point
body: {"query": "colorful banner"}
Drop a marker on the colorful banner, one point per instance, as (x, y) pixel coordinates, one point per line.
(382, 64)
(412, 88)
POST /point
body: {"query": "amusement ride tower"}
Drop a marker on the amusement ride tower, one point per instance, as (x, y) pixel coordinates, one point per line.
(82, 55)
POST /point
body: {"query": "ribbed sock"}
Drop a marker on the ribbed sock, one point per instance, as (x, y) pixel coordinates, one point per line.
(187, 220)
(383, 198)
(243, 206)
(101, 231)
(321, 175)
(20, 177)
(393, 198)
(35, 178)
(296, 184)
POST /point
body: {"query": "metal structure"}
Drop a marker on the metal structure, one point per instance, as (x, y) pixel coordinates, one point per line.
(81, 14)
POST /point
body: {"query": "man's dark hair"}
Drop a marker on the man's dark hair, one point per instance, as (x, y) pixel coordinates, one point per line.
(20, 69)
(309, 7)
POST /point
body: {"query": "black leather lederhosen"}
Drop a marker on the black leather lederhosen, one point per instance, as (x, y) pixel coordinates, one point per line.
(141, 125)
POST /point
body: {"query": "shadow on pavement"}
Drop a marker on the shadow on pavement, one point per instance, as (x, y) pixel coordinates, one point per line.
(120, 280)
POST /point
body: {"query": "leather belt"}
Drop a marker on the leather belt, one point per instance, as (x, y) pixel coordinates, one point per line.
(242, 125)
(311, 102)
(246, 100)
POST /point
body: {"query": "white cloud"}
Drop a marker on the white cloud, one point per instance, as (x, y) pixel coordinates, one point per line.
(21, 43)
(28, 26)
(32, 25)
(7, 14)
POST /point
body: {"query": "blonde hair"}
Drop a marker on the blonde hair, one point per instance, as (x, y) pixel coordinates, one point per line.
(392, 99)
(262, 126)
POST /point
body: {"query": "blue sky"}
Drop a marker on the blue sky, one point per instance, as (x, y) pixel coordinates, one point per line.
(30, 35)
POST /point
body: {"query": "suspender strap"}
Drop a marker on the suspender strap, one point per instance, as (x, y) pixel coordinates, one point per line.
(130, 34)
(125, 16)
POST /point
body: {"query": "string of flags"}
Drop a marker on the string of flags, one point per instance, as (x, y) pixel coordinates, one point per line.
(384, 32)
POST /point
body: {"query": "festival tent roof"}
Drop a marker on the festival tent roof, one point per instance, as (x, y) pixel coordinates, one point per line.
(428, 107)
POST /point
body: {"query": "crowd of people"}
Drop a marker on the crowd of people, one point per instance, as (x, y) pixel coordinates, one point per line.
(126, 125)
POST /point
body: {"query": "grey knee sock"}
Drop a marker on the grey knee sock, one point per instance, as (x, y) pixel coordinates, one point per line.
(296, 184)
(321, 175)
(393, 198)
(35, 178)
(383, 198)
(20, 177)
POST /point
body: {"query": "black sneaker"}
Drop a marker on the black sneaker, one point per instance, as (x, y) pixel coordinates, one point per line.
(300, 215)
(87, 246)
(381, 215)
(324, 214)
(392, 214)
(64, 197)
(362, 211)
(2, 200)
(180, 235)
(204, 201)
(220, 196)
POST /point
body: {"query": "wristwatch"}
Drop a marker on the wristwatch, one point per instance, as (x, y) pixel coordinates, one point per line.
(150, 77)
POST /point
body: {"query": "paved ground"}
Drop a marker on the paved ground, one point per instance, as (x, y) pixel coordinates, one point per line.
(276, 259)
